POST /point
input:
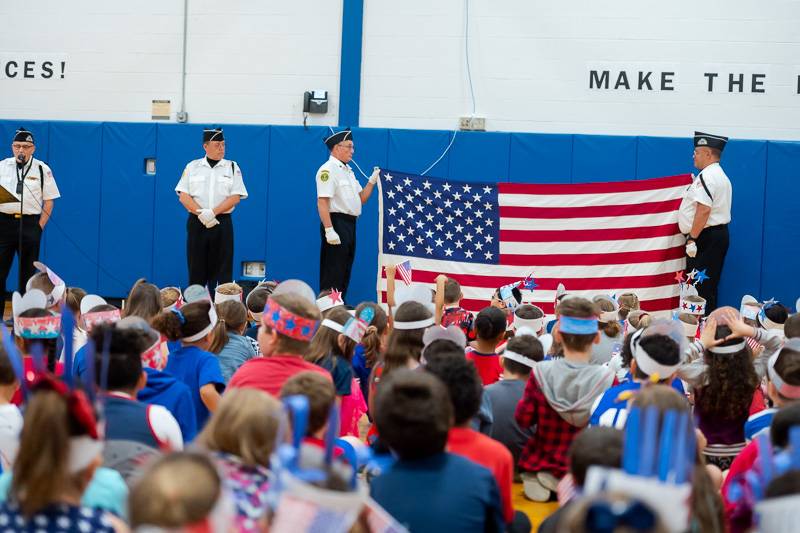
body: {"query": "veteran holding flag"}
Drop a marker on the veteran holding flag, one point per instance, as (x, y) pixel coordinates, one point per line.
(705, 213)
(339, 200)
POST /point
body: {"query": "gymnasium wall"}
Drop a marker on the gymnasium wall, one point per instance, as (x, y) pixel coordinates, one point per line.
(114, 223)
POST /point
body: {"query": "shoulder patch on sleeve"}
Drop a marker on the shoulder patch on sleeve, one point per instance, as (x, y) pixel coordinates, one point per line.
(324, 176)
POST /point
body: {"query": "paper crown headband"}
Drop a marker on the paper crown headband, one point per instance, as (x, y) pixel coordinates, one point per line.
(287, 323)
(220, 297)
(657, 371)
(59, 287)
(177, 303)
(196, 293)
(506, 292)
(45, 327)
(608, 316)
(212, 321)
(764, 320)
(329, 301)
(657, 463)
(788, 391)
(690, 302)
(535, 324)
(89, 302)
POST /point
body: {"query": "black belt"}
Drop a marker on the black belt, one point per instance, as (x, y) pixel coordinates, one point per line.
(17, 216)
(349, 218)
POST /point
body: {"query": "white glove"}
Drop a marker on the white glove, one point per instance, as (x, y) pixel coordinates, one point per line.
(331, 236)
(211, 223)
(205, 216)
(376, 173)
(691, 248)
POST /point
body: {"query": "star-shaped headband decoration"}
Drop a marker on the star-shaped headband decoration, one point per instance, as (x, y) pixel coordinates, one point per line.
(336, 297)
(679, 277)
(528, 283)
(691, 279)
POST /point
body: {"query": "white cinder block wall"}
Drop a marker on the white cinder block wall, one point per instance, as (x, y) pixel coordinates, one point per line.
(247, 61)
(530, 63)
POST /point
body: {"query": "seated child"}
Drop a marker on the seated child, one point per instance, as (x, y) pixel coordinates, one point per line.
(233, 349)
(241, 437)
(321, 396)
(413, 414)
(192, 363)
(179, 492)
(134, 431)
(490, 330)
(655, 358)
(370, 350)
(464, 387)
(161, 388)
(255, 302)
(783, 387)
(558, 398)
(521, 355)
(287, 326)
(448, 306)
(594, 446)
(610, 330)
(59, 452)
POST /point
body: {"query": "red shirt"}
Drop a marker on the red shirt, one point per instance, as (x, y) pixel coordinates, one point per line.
(270, 373)
(487, 364)
(487, 452)
(546, 450)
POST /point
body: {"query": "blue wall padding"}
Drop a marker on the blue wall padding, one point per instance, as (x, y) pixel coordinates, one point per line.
(603, 158)
(780, 255)
(540, 158)
(123, 224)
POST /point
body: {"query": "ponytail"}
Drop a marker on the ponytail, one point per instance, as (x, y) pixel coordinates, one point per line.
(189, 320)
(219, 337)
(41, 468)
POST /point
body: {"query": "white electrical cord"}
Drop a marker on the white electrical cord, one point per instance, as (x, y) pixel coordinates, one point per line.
(471, 93)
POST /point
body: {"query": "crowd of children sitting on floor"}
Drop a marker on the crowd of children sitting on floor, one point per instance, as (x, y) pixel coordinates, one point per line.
(286, 410)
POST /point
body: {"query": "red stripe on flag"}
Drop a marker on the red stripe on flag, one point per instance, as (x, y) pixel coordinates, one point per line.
(645, 208)
(619, 258)
(574, 284)
(596, 188)
(582, 235)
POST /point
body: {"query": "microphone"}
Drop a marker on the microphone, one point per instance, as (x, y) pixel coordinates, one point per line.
(20, 158)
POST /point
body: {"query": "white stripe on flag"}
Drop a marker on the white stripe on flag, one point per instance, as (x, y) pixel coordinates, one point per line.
(590, 200)
(632, 221)
(590, 247)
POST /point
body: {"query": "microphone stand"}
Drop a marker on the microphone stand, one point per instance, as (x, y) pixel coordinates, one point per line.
(21, 286)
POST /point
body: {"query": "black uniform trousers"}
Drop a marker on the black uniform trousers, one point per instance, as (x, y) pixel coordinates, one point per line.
(9, 245)
(336, 260)
(209, 252)
(712, 245)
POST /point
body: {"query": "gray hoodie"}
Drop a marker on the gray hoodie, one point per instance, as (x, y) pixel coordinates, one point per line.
(571, 388)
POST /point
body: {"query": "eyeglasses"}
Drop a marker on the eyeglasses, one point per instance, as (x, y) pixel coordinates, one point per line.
(347, 146)
(19, 146)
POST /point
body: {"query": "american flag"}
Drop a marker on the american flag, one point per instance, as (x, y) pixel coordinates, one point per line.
(595, 238)
(404, 270)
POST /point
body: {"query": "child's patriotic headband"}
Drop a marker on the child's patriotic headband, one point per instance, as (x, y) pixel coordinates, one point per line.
(287, 323)
(329, 301)
(45, 327)
(59, 286)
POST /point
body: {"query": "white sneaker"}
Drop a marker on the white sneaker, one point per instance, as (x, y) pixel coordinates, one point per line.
(533, 489)
(548, 480)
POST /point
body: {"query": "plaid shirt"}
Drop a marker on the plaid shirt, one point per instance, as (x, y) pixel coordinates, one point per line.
(458, 316)
(547, 449)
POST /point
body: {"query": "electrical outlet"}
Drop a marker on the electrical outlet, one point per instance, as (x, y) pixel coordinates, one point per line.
(472, 124)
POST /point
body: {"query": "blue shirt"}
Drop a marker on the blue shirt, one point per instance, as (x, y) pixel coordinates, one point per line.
(361, 370)
(341, 372)
(758, 422)
(79, 363)
(613, 412)
(163, 389)
(234, 354)
(196, 368)
(444, 492)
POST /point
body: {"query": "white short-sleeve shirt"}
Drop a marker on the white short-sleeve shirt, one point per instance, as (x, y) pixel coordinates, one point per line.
(39, 185)
(336, 181)
(718, 197)
(210, 186)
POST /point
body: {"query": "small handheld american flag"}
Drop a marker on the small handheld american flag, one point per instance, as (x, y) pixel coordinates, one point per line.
(404, 271)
